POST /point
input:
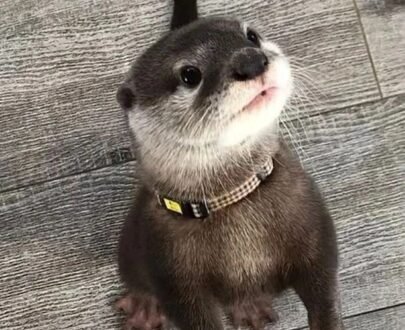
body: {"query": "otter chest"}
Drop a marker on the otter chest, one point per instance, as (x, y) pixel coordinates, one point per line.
(243, 252)
(234, 250)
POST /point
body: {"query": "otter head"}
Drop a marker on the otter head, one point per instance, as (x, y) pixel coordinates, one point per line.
(213, 84)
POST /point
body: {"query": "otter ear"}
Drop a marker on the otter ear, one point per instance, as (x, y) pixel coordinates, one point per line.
(126, 96)
(184, 12)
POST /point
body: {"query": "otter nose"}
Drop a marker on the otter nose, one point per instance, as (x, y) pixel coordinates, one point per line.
(248, 64)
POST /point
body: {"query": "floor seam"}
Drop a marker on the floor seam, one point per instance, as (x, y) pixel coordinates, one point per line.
(362, 313)
(370, 57)
(85, 171)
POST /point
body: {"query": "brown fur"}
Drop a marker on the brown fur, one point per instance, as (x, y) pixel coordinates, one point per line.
(279, 236)
(187, 270)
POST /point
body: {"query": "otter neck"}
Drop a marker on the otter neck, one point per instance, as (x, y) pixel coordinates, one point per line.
(198, 173)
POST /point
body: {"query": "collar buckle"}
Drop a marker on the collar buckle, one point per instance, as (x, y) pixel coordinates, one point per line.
(197, 210)
(200, 210)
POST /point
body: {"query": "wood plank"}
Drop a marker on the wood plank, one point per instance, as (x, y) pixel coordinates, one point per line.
(387, 319)
(58, 251)
(384, 25)
(390, 319)
(61, 61)
(59, 239)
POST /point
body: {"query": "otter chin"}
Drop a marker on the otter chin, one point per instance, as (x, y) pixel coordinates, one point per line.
(264, 96)
(225, 217)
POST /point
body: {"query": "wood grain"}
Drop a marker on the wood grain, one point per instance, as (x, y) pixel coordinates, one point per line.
(384, 25)
(387, 319)
(59, 239)
(61, 62)
(390, 319)
(58, 251)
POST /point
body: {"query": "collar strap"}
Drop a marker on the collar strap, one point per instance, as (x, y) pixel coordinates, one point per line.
(201, 209)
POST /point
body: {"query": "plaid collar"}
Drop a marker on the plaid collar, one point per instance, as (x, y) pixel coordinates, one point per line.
(201, 209)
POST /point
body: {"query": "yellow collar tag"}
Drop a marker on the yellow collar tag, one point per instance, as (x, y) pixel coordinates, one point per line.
(173, 206)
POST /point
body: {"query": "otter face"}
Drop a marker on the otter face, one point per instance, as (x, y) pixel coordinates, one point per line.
(213, 82)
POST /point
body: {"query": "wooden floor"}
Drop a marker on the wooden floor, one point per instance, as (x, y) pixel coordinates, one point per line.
(67, 170)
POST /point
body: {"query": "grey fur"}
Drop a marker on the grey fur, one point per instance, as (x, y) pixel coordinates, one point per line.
(279, 236)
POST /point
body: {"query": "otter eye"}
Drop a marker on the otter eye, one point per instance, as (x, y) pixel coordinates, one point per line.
(253, 37)
(191, 76)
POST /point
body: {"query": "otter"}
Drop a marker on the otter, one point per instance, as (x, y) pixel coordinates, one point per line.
(226, 217)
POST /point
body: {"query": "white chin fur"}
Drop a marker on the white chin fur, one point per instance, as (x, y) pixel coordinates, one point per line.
(250, 124)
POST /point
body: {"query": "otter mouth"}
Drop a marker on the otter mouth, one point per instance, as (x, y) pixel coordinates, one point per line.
(264, 96)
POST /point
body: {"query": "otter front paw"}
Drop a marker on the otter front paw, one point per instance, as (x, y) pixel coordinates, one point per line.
(143, 312)
(254, 313)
